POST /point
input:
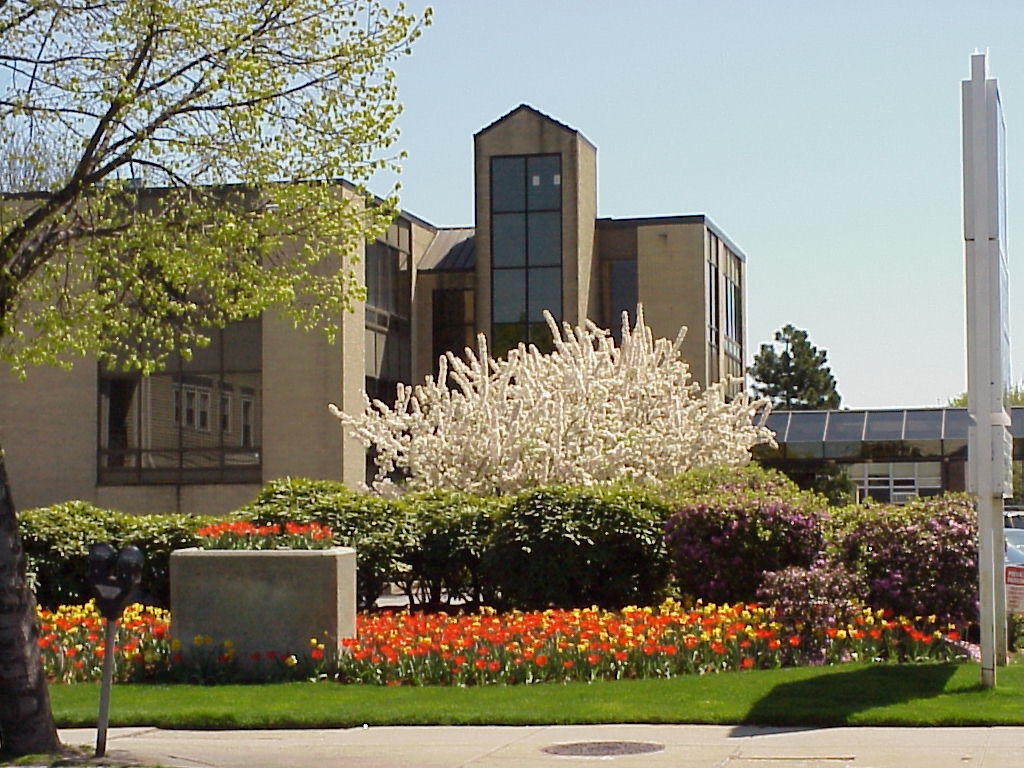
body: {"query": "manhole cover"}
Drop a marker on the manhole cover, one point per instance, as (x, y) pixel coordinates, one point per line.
(603, 748)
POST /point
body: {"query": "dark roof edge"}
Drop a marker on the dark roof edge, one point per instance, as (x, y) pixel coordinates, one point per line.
(537, 112)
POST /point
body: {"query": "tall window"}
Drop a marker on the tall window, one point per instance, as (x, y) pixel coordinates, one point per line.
(733, 336)
(526, 249)
(454, 321)
(622, 293)
(388, 350)
(195, 422)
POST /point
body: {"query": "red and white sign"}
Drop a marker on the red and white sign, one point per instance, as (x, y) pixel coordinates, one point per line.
(1015, 589)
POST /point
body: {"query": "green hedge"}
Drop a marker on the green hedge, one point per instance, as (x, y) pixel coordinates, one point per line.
(570, 546)
(57, 540)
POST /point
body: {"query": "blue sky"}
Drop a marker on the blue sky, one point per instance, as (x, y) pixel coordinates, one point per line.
(823, 137)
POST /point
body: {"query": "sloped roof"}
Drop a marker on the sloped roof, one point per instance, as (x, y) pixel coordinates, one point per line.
(452, 249)
(539, 114)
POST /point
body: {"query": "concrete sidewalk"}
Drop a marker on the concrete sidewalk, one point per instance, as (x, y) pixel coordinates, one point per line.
(695, 746)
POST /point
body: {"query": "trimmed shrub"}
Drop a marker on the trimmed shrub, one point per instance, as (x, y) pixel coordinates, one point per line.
(723, 541)
(452, 532)
(57, 540)
(571, 546)
(703, 481)
(381, 530)
(918, 559)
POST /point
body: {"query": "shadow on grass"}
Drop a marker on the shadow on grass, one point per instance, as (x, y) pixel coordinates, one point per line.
(830, 700)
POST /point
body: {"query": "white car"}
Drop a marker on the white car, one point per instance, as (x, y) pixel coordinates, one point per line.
(1014, 546)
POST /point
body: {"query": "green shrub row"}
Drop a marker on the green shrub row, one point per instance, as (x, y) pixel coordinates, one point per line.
(56, 541)
(723, 535)
(558, 546)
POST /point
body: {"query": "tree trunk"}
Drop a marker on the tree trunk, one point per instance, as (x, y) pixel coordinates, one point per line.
(26, 722)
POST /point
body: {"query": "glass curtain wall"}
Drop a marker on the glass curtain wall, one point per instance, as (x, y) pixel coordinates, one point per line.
(526, 249)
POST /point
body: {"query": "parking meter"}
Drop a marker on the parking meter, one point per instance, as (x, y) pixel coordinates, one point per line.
(113, 578)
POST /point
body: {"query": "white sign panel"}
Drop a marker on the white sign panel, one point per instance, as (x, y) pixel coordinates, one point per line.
(988, 328)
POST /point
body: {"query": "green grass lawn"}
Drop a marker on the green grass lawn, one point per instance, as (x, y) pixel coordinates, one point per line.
(929, 694)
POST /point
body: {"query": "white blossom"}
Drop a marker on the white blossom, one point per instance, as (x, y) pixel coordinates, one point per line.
(588, 412)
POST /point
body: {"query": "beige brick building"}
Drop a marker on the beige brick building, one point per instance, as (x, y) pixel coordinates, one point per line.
(205, 434)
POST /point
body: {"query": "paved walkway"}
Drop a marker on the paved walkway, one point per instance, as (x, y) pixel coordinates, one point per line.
(692, 746)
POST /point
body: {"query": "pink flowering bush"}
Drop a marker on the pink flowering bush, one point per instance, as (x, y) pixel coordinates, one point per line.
(920, 558)
(722, 542)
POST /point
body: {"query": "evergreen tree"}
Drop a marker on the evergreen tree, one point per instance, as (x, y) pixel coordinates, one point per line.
(791, 373)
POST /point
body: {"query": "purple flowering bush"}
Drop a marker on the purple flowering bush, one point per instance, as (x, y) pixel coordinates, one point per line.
(811, 601)
(723, 540)
(918, 559)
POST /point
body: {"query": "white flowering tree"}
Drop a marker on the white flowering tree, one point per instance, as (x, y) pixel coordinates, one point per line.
(588, 412)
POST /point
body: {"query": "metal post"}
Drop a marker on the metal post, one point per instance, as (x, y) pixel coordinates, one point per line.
(988, 354)
(109, 639)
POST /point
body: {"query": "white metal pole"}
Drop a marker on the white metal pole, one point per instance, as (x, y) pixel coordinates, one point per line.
(985, 353)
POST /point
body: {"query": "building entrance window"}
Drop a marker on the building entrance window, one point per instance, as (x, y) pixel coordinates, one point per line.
(896, 482)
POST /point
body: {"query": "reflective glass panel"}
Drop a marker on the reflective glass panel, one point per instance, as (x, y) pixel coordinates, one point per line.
(544, 183)
(804, 450)
(777, 423)
(923, 425)
(884, 425)
(622, 279)
(806, 425)
(1017, 422)
(540, 336)
(956, 424)
(508, 297)
(545, 292)
(845, 425)
(508, 239)
(843, 449)
(544, 239)
(508, 190)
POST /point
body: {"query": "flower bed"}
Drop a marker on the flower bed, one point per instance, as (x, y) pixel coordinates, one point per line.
(511, 648)
(244, 535)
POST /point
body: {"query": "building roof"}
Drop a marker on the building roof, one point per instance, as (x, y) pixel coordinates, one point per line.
(540, 114)
(888, 434)
(688, 218)
(452, 249)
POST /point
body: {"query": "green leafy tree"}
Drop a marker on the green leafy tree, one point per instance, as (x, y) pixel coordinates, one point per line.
(243, 116)
(1014, 396)
(791, 373)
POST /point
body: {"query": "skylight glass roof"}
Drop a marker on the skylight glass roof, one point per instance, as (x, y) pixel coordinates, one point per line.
(875, 426)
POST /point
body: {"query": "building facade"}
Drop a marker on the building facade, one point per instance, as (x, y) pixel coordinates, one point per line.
(205, 434)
